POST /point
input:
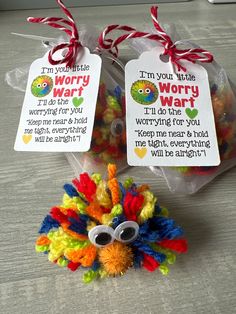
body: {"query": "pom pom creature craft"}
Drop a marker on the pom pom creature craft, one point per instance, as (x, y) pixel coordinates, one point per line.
(108, 227)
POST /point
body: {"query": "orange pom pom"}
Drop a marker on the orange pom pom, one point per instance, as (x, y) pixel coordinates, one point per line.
(116, 258)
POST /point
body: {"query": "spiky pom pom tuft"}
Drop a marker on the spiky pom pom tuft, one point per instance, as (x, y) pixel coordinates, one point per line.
(116, 258)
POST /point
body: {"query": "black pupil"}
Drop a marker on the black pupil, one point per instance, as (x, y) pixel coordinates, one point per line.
(118, 128)
(127, 233)
(103, 238)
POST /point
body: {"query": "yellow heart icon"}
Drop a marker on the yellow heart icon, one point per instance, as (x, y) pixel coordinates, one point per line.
(27, 138)
(140, 152)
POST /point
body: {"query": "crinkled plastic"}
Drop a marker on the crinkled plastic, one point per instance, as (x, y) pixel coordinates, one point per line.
(109, 135)
(188, 180)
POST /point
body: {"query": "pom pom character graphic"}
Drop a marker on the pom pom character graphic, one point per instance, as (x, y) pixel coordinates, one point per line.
(144, 92)
(108, 227)
(41, 86)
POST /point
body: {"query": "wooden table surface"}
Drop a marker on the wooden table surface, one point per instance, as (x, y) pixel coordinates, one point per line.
(203, 281)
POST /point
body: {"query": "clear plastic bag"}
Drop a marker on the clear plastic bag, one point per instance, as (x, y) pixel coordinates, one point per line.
(108, 138)
(109, 135)
(188, 180)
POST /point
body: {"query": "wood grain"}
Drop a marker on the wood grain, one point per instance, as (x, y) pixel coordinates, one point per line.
(203, 281)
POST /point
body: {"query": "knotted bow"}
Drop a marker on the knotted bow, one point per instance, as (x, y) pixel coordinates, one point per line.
(175, 54)
(69, 27)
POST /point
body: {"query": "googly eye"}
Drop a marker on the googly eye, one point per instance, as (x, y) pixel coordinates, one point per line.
(127, 231)
(117, 127)
(38, 85)
(147, 90)
(44, 84)
(140, 91)
(101, 235)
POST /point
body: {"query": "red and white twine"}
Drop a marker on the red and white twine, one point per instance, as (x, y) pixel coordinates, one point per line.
(69, 27)
(175, 54)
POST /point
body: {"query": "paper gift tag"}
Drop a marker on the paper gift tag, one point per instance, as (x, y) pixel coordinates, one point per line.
(59, 105)
(169, 117)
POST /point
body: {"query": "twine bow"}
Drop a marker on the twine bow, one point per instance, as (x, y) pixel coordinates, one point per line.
(69, 27)
(175, 54)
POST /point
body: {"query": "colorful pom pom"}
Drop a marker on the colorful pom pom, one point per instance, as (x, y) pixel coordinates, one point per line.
(108, 227)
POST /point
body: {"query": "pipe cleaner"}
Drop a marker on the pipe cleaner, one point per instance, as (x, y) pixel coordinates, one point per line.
(107, 227)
